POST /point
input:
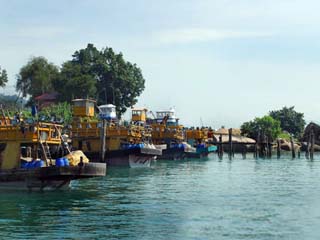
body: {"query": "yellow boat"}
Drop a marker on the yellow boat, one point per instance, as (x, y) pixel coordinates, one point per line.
(169, 135)
(198, 138)
(27, 148)
(105, 139)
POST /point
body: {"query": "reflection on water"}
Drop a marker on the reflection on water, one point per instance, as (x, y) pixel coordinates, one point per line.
(191, 199)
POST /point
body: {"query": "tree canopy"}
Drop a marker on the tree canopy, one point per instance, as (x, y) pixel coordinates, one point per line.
(3, 77)
(265, 125)
(36, 77)
(104, 75)
(290, 120)
(100, 74)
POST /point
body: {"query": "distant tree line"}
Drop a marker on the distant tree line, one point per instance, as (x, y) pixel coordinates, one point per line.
(284, 123)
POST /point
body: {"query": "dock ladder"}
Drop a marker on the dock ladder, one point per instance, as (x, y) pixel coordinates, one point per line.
(46, 152)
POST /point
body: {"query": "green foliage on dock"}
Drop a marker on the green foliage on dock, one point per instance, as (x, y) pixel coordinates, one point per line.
(59, 112)
(264, 126)
(285, 135)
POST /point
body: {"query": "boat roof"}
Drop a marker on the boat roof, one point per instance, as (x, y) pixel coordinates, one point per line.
(139, 109)
(107, 106)
(163, 111)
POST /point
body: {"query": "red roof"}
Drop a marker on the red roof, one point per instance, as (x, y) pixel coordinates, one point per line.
(47, 96)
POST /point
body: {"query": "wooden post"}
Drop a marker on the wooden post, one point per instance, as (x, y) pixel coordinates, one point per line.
(258, 145)
(233, 147)
(312, 145)
(278, 149)
(220, 153)
(103, 140)
(266, 146)
(244, 151)
(230, 143)
(270, 149)
(292, 148)
(308, 146)
(262, 147)
(255, 154)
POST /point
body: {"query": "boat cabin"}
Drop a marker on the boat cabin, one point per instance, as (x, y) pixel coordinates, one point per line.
(83, 107)
(139, 115)
(167, 117)
(107, 112)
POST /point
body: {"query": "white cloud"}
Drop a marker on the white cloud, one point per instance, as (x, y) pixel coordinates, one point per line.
(189, 35)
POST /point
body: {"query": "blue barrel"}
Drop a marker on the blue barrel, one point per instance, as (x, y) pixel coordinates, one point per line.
(24, 164)
(66, 161)
(201, 145)
(39, 164)
(32, 164)
(59, 162)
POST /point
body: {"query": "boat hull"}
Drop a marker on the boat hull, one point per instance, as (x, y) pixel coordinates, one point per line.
(173, 154)
(133, 158)
(202, 152)
(132, 161)
(48, 178)
(183, 153)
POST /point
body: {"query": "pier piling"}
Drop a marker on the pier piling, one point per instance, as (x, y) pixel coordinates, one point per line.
(220, 150)
(312, 145)
(278, 149)
(103, 141)
(230, 143)
(244, 151)
(308, 147)
(292, 148)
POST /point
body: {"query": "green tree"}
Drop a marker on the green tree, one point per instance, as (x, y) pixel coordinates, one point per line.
(74, 82)
(3, 77)
(265, 125)
(122, 80)
(104, 75)
(36, 77)
(290, 120)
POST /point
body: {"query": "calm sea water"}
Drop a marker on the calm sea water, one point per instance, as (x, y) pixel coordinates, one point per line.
(195, 199)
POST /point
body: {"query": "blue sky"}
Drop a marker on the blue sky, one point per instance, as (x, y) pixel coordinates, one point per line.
(224, 61)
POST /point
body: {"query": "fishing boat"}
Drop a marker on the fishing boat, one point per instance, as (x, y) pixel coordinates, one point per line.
(169, 135)
(198, 138)
(27, 150)
(105, 139)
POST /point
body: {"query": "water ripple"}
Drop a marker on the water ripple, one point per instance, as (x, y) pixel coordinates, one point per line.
(195, 199)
